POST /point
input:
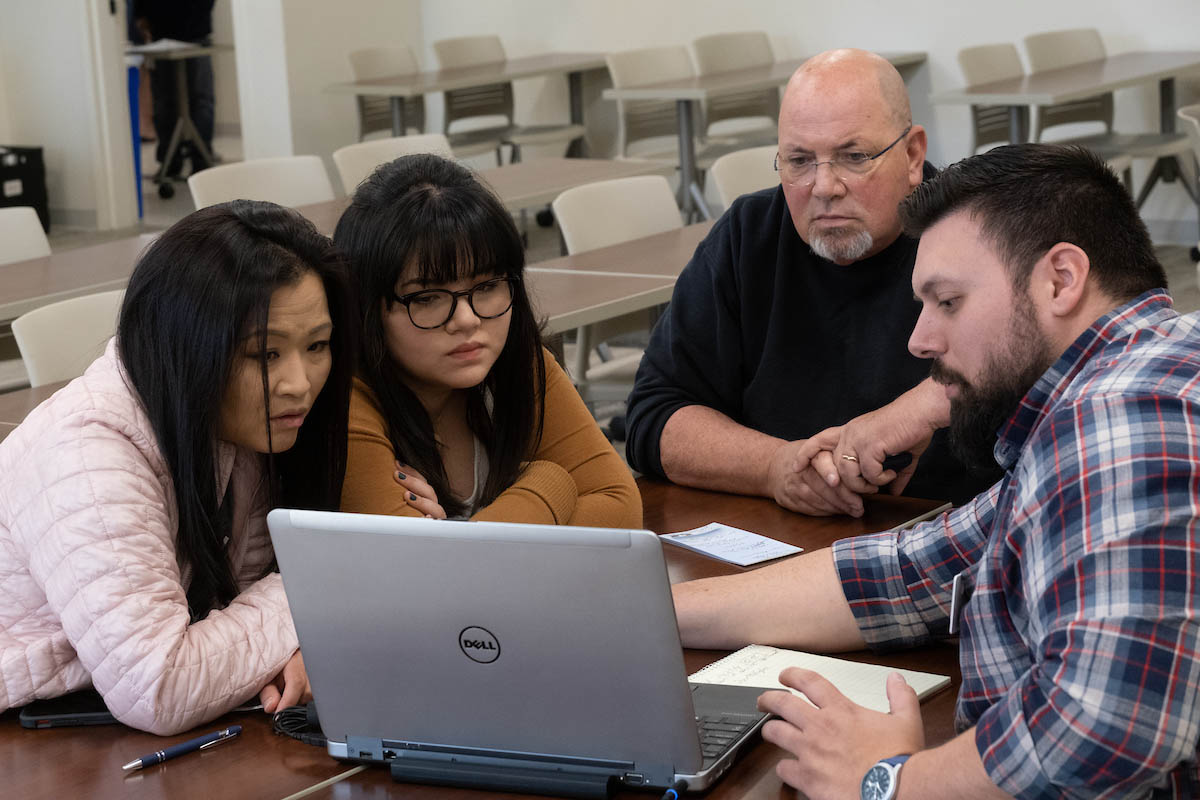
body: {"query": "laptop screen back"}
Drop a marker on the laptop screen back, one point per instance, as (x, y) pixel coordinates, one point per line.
(517, 638)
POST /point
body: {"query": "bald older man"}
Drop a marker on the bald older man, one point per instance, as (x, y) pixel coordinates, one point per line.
(794, 313)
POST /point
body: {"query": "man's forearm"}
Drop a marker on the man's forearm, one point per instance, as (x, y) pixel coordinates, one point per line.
(796, 603)
(952, 771)
(927, 401)
(702, 447)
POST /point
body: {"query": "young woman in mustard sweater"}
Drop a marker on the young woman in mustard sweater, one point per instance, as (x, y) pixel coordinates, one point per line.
(458, 410)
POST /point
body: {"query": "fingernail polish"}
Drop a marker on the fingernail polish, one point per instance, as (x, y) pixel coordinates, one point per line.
(400, 476)
(412, 496)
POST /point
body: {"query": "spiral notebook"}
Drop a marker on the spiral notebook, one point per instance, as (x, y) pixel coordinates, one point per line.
(865, 684)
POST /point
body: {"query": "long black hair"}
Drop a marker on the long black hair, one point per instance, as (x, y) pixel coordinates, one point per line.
(192, 298)
(430, 214)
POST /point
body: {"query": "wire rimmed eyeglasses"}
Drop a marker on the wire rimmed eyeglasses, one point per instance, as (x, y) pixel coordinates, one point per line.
(802, 168)
(433, 308)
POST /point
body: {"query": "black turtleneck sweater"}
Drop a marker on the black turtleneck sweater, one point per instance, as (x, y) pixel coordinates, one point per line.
(787, 343)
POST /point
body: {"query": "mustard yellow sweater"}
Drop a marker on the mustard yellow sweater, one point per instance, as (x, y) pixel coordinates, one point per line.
(574, 478)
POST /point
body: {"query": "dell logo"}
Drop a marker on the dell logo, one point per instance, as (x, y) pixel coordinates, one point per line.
(478, 644)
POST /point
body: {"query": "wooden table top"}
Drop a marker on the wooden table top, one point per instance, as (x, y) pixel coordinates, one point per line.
(701, 87)
(1077, 81)
(442, 80)
(16, 405)
(86, 762)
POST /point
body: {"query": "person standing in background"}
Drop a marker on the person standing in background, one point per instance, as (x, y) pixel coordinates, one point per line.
(185, 21)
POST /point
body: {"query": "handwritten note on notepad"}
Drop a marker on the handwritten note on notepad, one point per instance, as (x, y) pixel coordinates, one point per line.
(731, 544)
(865, 684)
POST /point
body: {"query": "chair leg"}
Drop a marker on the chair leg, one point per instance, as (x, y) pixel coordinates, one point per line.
(1151, 179)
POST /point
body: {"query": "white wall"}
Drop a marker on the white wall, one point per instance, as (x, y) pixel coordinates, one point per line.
(51, 99)
(941, 29)
(228, 117)
(320, 35)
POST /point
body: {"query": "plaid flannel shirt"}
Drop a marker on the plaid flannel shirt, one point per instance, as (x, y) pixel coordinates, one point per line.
(1080, 669)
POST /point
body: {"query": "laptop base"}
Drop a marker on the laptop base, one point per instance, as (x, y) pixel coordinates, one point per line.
(498, 778)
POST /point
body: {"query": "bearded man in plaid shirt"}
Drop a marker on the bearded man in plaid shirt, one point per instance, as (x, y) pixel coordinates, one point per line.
(1045, 315)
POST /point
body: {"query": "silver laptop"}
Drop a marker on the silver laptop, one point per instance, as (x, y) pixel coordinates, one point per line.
(519, 657)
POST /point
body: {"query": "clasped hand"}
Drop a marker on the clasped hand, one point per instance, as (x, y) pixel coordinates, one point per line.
(803, 477)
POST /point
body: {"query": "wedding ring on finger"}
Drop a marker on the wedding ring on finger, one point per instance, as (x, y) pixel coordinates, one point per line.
(850, 458)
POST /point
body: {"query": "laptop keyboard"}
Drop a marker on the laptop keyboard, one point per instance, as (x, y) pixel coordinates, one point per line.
(720, 733)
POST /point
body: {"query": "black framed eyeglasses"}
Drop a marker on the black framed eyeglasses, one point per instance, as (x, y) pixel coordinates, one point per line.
(433, 308)
(802, 169)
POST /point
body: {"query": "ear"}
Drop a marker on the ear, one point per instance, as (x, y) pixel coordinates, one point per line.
(1060, 278)
(915, 149)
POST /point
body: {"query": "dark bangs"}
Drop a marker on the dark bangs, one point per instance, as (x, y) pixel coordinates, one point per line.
(450, 236)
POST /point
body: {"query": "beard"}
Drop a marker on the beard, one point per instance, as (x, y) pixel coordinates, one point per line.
(979, 409)
(841, 246)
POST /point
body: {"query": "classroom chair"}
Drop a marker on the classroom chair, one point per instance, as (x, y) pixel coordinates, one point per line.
(1190, 115)
(1058, 49)
(287, 180)
(748, 118)
(21, 238)
(495, 100)
(744, 171)
(605, 213)
(59, 341)
(650, 128)
(383, 62)
(375, 112)
(984, 64)
(21, 235)
(355, 162)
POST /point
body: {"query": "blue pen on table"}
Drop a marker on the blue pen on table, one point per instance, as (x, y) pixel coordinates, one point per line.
(183, 748)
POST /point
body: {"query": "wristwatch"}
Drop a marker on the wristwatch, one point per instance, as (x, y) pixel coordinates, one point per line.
(881, 780)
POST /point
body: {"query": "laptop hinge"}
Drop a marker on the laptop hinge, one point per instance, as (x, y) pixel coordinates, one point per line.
(524, 777)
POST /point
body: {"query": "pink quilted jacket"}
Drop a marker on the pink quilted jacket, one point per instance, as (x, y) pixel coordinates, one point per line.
(90, 590)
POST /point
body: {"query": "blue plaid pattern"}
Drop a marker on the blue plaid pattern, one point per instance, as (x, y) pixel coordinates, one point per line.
(1079, 646)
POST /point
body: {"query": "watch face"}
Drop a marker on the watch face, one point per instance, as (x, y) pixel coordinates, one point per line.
(877, 783)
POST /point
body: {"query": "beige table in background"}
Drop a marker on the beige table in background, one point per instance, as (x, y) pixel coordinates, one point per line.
(1080, 81)
(26, 285)
(399, 87)
(526, 184)
(698, 89)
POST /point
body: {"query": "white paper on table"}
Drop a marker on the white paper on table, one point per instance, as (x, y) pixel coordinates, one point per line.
(731, 544)
(865, 684)
(160, 46)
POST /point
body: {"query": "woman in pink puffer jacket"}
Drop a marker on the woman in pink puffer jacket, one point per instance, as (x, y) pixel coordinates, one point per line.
(134, 554)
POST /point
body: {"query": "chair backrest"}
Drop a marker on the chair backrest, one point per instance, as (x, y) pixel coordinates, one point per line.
(646, 119)
(355, 162)
(1191, 122)
(21, 235)
(287, 180)
(724, 52)
(476, 101)
(59, 341)
(744, 171)
(375, 113)
(984, 64)
(1057, 49)
(607, 212)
